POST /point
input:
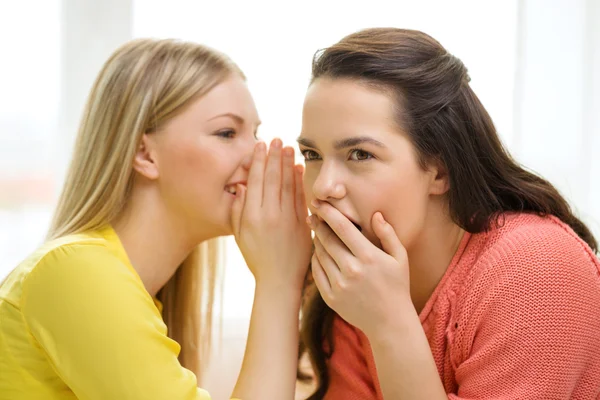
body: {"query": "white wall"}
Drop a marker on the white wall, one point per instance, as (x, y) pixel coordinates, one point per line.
(556, 128)
(52, 51)
(29, 91)
(591, 105)
(90, 31)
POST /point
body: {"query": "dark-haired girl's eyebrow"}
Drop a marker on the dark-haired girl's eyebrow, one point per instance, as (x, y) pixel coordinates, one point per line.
(343, 143)
(355, 141)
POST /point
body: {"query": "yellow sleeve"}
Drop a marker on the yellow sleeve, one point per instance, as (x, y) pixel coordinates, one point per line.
(101, 329)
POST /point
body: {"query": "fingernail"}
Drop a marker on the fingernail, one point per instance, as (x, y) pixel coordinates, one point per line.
(276, 143)
(260, 147)
(380, 218)
(315, 203)
(310, 221)
(288, 152)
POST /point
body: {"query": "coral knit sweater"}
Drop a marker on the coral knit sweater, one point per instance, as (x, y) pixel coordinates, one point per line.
(516, 316)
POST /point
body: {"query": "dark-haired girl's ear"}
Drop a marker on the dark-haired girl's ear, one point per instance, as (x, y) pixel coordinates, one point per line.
(144, 161)
(440, 181)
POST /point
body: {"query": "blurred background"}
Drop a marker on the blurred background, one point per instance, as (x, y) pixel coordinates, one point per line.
(535, 64)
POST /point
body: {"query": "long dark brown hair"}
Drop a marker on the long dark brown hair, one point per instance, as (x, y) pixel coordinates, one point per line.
(446, 123)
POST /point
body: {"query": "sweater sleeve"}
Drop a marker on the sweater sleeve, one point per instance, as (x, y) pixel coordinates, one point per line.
(101, 330)
(350, 375)
(534, 332)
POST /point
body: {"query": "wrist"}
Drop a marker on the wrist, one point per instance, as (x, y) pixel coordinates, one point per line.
(278, 292)
(401, 322)
(281, 286)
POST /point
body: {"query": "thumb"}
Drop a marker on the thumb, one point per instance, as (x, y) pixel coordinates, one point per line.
(386, 234)
(238, 208)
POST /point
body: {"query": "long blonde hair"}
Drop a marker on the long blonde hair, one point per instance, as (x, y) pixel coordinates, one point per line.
(143, 85)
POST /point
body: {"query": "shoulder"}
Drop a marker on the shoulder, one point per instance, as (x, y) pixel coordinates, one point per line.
(533, 286)
(74, 257)
(529, 263)
(54, 261)
(84, 282)
(526, 245)
(74, 267)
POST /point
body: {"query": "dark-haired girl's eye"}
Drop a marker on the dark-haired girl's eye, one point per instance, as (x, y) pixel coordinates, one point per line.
(310, 155)
(360, 155)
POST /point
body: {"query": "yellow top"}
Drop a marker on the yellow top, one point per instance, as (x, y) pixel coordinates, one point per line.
(77, 323)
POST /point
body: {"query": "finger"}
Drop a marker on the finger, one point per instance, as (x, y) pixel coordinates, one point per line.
(390, 243)
(287, 183)
(272, 185)
(343, 228)
(327, 263)
(320, 279)
(330, 242)
(256, 177)
(237, 209)
(301, 208)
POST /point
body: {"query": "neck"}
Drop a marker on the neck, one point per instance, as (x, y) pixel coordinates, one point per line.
(154, 242)
(427, 267)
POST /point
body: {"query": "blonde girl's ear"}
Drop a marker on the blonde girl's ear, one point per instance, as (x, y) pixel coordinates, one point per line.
(145, 160)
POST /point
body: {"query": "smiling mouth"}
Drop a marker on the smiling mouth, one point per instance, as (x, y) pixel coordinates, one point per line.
(232, 189)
